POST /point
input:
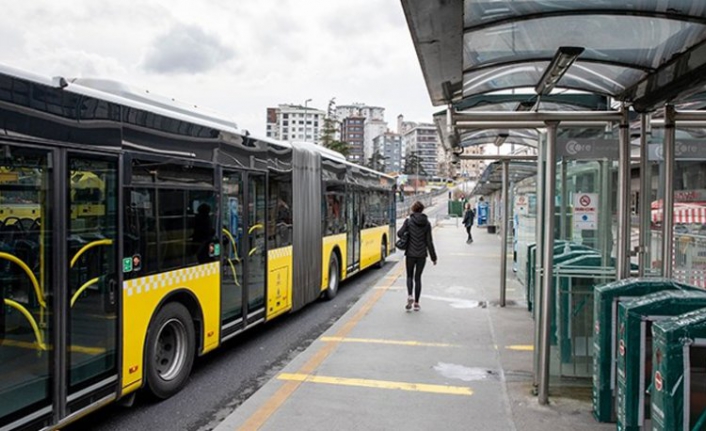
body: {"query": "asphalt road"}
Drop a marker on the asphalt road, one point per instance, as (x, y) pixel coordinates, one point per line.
(223, 379)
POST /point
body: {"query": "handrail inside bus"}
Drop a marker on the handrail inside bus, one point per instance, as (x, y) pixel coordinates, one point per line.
(30, 274)
(251, 230)
(82, 288)
(38, 335)
(257, 226)
(89, 246)
(235, 251)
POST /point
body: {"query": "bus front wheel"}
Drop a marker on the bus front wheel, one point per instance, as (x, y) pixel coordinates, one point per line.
(333, 277)
(383, 254)
(170, 350)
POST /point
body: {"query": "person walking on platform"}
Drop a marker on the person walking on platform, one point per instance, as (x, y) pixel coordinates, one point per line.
(468, 216)
(419, 241)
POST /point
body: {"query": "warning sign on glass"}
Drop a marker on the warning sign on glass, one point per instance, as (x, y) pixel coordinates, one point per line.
(585, 211)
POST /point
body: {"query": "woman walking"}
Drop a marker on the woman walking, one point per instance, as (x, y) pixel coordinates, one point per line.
(468, 217)
(418, 230)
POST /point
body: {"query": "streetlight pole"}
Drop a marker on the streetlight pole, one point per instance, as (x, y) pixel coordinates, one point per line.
(306, 116)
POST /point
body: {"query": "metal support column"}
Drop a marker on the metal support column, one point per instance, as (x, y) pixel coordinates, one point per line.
(623, 241)
(506, 224)
(645, 195)
(563, 228)
(539, 250)
(548, 259)
(668, 202)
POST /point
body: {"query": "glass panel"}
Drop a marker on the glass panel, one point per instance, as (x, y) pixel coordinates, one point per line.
(352, 227)
(256, 239)
(593, 77)
(25, 280)
(232, 256)
(140, 235)
(172, 229)
(478, 12)
(630, 40)
(201, 219)
(280, 209)
(334, 219)
(584, 254)
(92, 270)
(689, 252)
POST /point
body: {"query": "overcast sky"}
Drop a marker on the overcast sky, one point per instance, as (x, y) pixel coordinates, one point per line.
(237, 57)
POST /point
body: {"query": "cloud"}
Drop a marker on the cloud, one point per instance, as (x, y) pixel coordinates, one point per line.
(186, 49)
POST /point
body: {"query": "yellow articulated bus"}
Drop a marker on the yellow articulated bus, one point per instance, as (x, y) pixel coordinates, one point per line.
(136, 234)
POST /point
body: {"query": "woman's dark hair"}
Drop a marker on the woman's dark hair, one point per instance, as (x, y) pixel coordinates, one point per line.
(417, 207)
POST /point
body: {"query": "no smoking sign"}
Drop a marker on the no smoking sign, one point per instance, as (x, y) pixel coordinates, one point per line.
(585, 211)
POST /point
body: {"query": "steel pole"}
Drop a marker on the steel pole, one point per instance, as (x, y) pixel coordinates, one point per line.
(645, 195)
(539, 250)
(505, 124)
(543, 116)
(563, 228)
(623, 240)
(506, 224)
(668, 202)
(547, 285)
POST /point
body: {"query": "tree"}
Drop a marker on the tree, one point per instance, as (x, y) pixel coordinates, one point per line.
(329, 131)
(377, 161)
(413, 165)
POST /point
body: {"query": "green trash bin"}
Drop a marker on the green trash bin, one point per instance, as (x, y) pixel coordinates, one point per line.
(634, 360)
(605, 310)
(678, 387)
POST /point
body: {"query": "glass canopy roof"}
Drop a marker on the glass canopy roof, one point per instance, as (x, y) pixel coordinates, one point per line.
(643, 52)
(491, 178)
(512, 102)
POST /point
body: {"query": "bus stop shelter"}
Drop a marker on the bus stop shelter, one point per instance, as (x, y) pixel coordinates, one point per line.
(646, 57)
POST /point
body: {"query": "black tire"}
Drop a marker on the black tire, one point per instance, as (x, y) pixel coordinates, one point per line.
(169, 354)
(383, 254)
(334, 277)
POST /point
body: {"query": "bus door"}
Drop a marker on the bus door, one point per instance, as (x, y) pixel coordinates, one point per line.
(91, 291)
(58, 283)
(353, 230)
(233, 255)
(255, 245)
(27, 280)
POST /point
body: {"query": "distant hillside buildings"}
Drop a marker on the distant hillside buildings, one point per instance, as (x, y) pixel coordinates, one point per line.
(370, 141)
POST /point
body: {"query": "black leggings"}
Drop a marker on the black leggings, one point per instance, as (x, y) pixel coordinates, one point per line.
(468, 231)
(415, 267)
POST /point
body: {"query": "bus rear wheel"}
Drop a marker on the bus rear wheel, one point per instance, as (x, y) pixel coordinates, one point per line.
(170, 350)
(333, 277)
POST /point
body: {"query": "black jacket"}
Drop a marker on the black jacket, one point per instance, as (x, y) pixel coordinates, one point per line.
(468, 217)
(419, 229)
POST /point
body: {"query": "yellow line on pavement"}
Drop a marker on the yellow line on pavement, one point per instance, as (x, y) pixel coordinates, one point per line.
(378, 384)
(261, 416)
(392, 342)
(524, 348)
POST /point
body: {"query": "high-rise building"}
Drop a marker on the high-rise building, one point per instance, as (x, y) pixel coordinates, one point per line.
(472, 168)
(389, 146)
(353, 133)
(295, 123)
(373, 125)
(422, 140)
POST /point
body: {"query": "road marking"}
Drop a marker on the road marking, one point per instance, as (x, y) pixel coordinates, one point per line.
(261, 416)
(523, 348)
(378, 384)
(392, 342)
